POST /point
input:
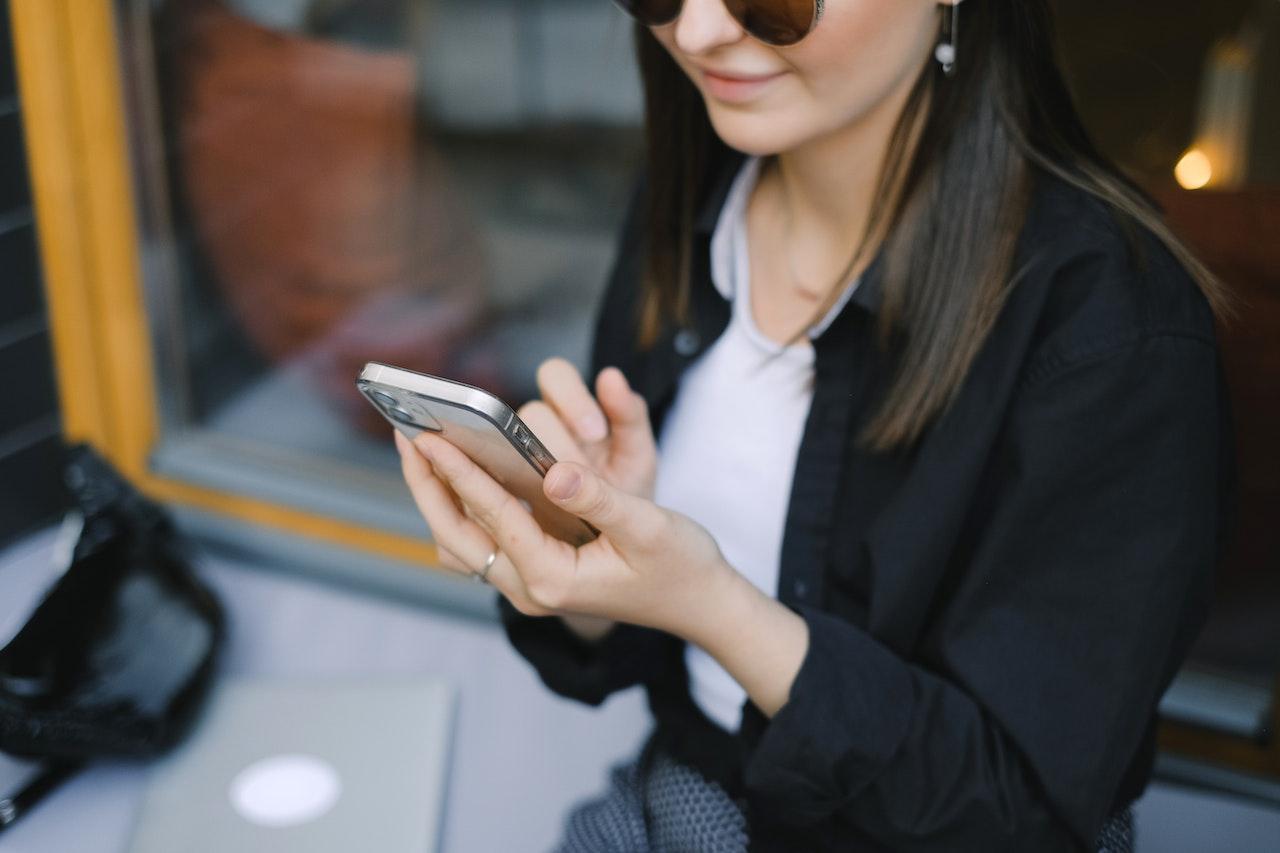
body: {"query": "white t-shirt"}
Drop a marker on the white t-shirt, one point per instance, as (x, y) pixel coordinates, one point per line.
(728, 445)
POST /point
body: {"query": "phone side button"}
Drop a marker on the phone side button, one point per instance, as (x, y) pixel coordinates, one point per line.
(540, 453)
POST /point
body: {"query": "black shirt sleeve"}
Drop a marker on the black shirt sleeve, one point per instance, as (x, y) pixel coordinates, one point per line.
(586, 671)
(1088, 577)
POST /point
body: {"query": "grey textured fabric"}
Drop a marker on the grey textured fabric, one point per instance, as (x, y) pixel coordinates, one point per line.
(663, 808)
(1118, 835)
(670, 808)
(612, 823)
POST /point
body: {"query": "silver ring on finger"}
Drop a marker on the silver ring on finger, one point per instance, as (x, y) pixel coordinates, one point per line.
(482, 576)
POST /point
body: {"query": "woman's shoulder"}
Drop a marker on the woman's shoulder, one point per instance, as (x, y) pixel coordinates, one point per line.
(1101, 279)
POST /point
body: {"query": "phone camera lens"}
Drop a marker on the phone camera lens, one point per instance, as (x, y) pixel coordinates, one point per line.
(383, 398)
(402, 415)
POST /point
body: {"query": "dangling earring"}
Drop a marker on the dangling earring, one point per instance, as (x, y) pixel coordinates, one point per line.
(945, 53)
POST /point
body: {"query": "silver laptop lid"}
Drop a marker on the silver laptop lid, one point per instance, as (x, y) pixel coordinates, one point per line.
(305, 766)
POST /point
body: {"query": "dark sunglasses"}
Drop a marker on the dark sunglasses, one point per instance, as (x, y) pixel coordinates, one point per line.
(780, 23)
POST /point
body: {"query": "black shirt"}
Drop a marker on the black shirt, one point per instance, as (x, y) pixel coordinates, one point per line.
(993, 614)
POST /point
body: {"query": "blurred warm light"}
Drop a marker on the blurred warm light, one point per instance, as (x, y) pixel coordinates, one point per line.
(1194, 170)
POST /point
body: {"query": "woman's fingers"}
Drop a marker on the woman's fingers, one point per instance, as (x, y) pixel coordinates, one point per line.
(461, 544)
(543, 421)
(562, 388)
(495, 509)
(501, 574)
(615, 412)
(448, 560)
(632, 523)
(628, 414)
(453, 532)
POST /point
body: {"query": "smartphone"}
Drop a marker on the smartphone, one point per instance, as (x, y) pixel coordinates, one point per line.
(481, 426)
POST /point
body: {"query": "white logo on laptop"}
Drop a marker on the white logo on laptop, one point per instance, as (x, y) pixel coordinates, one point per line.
(285, 790)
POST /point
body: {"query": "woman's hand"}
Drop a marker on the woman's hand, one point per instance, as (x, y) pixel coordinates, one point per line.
(610, 432)
(649, 566)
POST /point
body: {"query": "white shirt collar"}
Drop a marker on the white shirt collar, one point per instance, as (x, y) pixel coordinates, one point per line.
(729, 257)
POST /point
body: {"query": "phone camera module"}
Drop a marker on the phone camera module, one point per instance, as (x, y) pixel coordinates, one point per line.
(403, 416)
(385, 399)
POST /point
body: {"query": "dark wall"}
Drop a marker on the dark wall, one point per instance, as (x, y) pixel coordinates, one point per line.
(30, 440)
(1135, 69)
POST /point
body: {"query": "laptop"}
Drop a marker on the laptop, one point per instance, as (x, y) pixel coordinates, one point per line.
(294, 766)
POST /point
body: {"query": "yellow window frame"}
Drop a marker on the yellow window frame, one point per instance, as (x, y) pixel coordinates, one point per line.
(67, 54)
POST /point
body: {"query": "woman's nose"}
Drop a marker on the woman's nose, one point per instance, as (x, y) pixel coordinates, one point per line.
(704, 25)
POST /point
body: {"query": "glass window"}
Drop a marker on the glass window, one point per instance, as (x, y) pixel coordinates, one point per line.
(1187, 98)
(436, 184)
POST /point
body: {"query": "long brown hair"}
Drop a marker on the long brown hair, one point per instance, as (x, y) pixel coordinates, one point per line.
(962, 190)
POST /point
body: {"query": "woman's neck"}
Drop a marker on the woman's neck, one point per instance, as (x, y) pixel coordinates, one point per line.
(822, 192)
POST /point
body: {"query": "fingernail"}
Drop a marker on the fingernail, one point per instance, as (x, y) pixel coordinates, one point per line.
(593, 427)
(564, 484)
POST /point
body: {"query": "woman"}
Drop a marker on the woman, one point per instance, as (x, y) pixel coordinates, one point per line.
(944, 447)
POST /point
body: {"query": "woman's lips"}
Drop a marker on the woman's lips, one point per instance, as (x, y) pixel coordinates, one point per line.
(736, 89)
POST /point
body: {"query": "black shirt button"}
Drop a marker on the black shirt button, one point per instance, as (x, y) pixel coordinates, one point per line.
(801, 589)
(687, 342)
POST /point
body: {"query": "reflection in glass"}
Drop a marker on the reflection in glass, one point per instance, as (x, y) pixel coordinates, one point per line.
(434, 184)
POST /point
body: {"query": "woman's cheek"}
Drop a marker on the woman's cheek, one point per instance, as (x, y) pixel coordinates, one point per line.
(861, 51)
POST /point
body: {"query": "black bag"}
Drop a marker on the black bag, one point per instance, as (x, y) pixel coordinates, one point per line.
(120, 653)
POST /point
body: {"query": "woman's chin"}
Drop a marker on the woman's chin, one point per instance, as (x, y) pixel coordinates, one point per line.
(757, 135)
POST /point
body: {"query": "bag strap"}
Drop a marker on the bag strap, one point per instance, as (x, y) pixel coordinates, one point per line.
(41, 785)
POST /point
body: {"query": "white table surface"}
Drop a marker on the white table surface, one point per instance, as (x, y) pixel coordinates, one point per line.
(521, 756)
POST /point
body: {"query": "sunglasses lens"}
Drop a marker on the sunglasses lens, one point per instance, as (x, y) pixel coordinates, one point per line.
(652, 13)
(776, 22)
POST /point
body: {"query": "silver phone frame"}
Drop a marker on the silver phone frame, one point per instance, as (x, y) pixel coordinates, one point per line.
(463, 396)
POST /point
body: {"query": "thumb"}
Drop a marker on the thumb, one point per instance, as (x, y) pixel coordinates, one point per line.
(578, 490)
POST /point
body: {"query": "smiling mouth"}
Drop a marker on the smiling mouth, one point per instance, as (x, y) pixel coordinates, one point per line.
(735, 89)
(739, 78)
